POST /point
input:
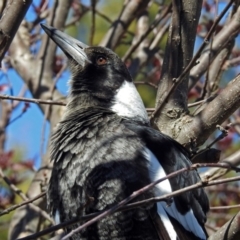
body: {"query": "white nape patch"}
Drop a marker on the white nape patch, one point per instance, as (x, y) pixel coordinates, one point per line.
(188, 221)
(128, 103)
(57, 217)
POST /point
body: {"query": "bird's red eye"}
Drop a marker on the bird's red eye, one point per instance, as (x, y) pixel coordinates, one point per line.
(101, 60)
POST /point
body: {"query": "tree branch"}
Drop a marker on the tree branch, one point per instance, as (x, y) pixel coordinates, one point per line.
(215, 173)
(229, 231)
(227, 34)
(215, 113)
(33, 100)
(130, 11)
(14, 207)
(178, 54)
(10, 21)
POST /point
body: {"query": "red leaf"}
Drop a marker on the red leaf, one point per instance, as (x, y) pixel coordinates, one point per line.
(193, 93)
(6, 159)
(3, 87)
(58, 64)
(226, 142)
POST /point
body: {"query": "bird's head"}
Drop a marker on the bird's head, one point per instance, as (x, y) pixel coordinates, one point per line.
(99, 77)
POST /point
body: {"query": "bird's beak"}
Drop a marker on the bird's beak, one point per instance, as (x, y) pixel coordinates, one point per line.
(70, 46)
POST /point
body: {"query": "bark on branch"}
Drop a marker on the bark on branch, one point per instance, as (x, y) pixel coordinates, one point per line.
(179, 51)
(221, 40)
(10, 21)
(199, 127)
(229, 231)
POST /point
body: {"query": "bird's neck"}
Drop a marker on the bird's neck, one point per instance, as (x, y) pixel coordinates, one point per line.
(83, 106)
(126, 106)
(76, 102)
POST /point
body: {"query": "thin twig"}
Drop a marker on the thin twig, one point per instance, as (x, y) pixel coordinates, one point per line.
(202, 101)
(33, 100)
(225, 207)
(149, 110)
(18, 116)
(206, 91)
(224, 133)
(190, 105)
(146, 83)
(93, 7)
(14, 207)
(180, 191)
(231, 63)
(211, 227)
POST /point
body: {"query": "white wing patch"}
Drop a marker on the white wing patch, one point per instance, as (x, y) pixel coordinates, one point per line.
(188, 221)
(57, 217)
(166, 221)
(128, 103)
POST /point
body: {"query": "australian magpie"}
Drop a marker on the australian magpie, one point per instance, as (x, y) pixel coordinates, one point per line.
(104, 149)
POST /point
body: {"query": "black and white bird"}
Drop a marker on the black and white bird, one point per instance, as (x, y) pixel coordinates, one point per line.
(104, 149)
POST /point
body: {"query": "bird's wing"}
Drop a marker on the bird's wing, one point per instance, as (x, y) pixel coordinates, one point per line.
(165, 155)
(104, 167)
